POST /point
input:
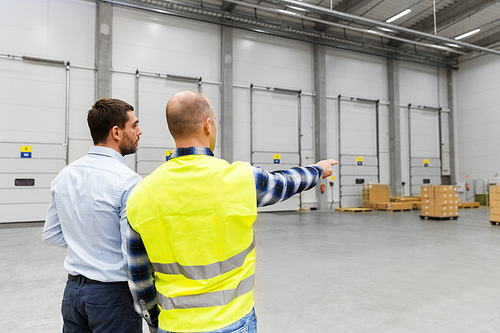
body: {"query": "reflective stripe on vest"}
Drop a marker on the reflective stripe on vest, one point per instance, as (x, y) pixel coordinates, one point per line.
(216, 298)
(205, 272)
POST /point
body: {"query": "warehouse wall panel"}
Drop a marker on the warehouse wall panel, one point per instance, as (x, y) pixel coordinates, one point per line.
(53, 29)
(356, 75)
(418, 84)
(33, 97)
(478, 102)
(164, 44)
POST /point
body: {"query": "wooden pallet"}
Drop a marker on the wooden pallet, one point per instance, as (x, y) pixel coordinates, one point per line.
(395, 209)
(468, 205)
(495, 223)
(353, 210)
(438, 218)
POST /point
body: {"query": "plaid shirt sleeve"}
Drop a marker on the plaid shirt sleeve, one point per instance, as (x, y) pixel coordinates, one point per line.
(271, 187)
(276, 186)
(141, 278)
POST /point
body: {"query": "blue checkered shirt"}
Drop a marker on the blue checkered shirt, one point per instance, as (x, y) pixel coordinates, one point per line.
(271, 187)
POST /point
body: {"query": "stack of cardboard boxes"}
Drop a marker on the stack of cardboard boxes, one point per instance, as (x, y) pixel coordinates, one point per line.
(439, 201)
(374, 193)
(416, 202)
(494, 203)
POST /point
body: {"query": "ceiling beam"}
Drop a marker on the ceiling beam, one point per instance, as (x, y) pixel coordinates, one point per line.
(447, 17)
(492, 39)
(452, 14)
(350, 6)
(346, 6)
(374, 23)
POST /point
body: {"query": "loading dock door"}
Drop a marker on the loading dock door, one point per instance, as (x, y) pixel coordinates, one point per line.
(32, 137)
(358, 148)
(275, 138)
(424, 137)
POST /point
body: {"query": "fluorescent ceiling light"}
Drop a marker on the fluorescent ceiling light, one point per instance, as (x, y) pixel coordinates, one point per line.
(385, 29)
(373, 32)
(467, 34)
(287, 12)
(298, 8)
(395, 17)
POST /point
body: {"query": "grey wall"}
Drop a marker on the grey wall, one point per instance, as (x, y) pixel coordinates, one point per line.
(33, 95)
(478, 104)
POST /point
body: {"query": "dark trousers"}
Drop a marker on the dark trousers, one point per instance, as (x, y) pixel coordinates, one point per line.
(99, 308)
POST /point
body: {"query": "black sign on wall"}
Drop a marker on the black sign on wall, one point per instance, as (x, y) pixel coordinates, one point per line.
(25, 182)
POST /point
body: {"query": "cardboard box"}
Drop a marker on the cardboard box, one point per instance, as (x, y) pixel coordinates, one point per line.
(445, 214)
(373, 193)
(394, 206)
(445, 201)
(428, 201)
(494, 210)
(445, 189)
(494, 189)
(443, 208)
(494, 196)
(427, 210)
(427, 191)
(495, 217)
(444, 195)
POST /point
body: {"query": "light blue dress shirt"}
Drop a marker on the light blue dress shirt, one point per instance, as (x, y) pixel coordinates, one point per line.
(87, 214)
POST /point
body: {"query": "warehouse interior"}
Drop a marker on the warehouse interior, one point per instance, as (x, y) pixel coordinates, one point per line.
(403, 94)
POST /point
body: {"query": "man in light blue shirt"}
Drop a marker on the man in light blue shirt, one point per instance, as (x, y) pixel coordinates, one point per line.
(87, 215)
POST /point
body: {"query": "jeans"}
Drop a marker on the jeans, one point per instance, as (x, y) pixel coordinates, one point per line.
(99, 308)
(247, 324)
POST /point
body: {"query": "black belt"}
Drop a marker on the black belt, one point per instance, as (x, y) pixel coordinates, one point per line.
(74, 278)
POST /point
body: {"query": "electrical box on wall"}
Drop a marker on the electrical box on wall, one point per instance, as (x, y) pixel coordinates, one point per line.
(461, 187)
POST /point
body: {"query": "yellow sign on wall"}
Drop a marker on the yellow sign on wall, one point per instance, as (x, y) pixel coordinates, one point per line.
(360, 160)
(168, 153)
(25, 151)
(426, 163)
(277, 158)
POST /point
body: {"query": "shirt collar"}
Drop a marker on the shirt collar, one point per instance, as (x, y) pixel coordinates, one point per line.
(191, 151)
(105, 151)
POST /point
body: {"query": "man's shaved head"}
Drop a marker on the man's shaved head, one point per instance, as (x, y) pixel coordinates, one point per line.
(186, 112)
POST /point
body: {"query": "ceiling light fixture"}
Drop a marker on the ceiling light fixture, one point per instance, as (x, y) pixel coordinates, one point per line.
(288, 12)
(298, 8)
(467, 34)
(395, 17)
(385, 29)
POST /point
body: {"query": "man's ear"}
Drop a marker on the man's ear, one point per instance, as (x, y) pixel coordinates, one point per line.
(115, 133)
(207, 127)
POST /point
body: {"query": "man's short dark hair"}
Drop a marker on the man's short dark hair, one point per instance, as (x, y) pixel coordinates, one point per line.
(104, 115)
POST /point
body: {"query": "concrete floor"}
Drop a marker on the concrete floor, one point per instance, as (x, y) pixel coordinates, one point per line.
(316, 272)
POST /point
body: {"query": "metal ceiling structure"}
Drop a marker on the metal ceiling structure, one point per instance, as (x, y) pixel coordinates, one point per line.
(425, 35)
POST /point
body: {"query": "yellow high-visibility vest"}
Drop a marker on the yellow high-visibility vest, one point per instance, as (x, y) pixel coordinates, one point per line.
(195, 215)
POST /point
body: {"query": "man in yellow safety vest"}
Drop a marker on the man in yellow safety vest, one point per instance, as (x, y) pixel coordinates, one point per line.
(190, 243)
